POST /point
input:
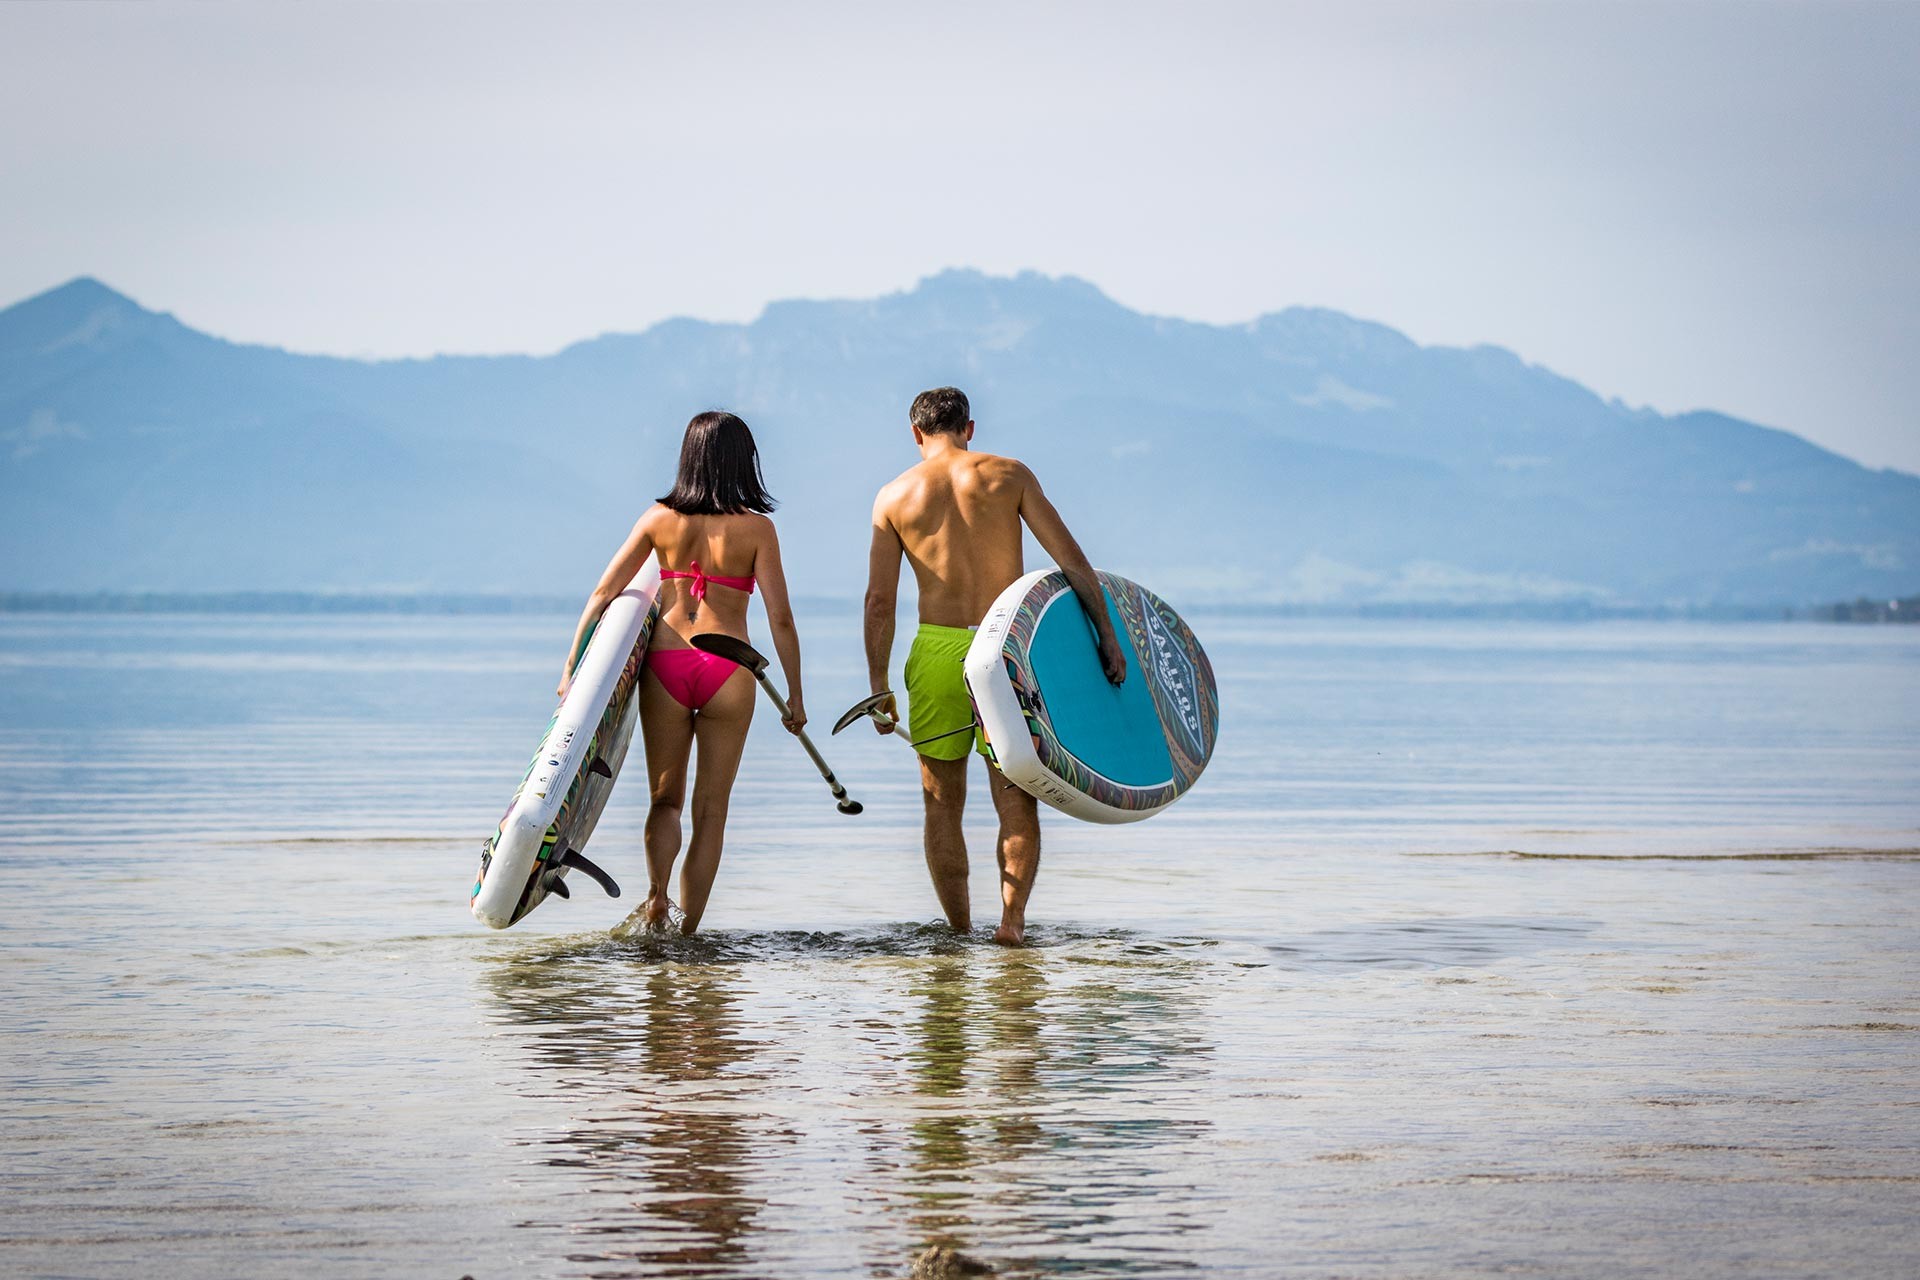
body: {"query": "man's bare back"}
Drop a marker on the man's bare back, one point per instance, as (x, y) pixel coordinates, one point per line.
(957, 518)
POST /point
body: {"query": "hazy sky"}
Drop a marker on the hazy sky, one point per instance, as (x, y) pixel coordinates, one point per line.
(1680, 205)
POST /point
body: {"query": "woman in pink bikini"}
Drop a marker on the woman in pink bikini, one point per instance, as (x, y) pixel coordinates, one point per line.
(715, 542)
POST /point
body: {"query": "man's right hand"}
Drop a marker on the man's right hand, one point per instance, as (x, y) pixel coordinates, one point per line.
(889, 709)
(1112, 660)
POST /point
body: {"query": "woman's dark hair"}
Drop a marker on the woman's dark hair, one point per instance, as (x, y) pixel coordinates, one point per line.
(719, 470)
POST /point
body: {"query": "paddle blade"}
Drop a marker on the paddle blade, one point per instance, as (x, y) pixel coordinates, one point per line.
(732, 650)
(862, 709)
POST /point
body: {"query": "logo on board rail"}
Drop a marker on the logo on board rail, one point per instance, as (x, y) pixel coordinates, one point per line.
(1173, 667)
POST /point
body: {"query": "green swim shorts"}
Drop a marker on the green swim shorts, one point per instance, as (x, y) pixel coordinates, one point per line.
(937, 701)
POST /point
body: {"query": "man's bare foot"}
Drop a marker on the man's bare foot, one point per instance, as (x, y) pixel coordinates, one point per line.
(1012, 932)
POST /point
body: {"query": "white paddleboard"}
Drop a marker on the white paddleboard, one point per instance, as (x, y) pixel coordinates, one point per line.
(545, 828)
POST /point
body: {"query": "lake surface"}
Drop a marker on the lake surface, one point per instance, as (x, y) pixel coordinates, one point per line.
(1569, 950)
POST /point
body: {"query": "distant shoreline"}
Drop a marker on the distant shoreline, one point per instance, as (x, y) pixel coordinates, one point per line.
(275, 602)
(497, 605)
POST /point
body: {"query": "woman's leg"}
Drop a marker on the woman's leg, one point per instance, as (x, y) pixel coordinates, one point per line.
(667, 729)
(721, 727)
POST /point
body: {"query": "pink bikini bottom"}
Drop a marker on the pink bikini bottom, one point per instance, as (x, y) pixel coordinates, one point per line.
(692, 677)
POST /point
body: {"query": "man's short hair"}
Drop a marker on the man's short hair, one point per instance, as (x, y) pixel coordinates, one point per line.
(941, 411)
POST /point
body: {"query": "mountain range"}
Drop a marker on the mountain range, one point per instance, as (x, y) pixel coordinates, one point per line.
(1303, 457)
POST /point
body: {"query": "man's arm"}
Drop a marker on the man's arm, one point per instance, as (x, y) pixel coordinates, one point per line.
(1055, 538)
(883, 597)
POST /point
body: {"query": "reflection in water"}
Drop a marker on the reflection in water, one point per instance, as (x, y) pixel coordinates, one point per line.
(938, 1144)
(1022, 1106)
(1011, 1142)
(635, 1049)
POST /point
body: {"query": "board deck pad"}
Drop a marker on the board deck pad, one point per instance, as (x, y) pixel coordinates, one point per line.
(1113, 731)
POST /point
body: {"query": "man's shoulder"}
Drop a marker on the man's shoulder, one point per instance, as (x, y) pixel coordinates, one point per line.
(894, 491)
(1001, 468)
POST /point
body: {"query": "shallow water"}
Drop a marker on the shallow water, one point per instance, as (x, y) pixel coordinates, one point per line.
(1317, 1020)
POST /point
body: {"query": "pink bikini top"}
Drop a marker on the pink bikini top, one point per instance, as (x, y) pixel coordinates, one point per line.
(701, 579)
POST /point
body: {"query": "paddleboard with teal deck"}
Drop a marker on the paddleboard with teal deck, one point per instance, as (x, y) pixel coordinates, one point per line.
(1060, 731)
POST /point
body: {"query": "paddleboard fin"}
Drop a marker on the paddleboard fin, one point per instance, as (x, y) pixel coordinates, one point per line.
(579, 862)
(601, 767)
(557, 887)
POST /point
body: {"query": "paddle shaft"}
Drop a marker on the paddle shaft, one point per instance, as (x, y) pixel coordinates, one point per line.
(917, 743)
(780, 705)
(881, 717)
(869, 708)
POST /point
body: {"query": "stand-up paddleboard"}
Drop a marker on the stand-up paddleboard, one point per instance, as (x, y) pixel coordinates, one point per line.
(1064, 735)
(566, 786)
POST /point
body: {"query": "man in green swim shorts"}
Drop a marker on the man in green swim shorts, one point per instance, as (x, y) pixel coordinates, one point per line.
(957, 516)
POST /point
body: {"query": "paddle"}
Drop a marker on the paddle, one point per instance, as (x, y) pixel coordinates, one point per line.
(753, 660)
(869, 708)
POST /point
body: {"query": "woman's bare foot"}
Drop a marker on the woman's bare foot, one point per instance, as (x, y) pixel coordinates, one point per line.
(655, 915)
(656, 912)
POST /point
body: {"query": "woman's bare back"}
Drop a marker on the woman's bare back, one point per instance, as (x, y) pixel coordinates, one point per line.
(724, 547)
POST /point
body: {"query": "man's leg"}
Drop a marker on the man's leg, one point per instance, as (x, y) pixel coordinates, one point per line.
(1018, 854)
(943, 785)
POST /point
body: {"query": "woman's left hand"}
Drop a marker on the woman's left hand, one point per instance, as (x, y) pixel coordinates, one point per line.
(796, 716)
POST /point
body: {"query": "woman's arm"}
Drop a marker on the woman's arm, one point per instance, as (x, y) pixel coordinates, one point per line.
(772, 577)
(625, 564)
